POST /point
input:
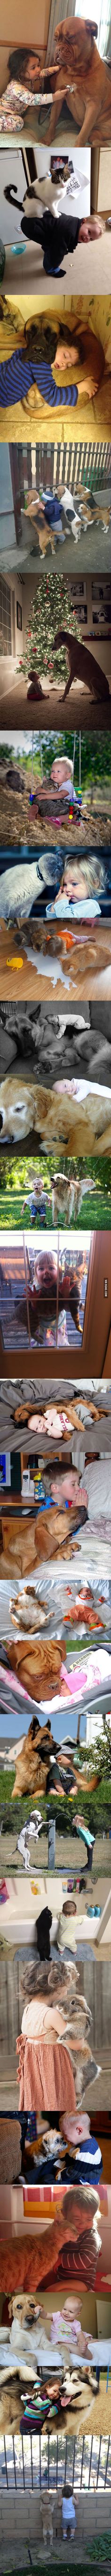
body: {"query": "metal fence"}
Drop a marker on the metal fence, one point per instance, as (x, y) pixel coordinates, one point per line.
(44, 2461)
(42, 465)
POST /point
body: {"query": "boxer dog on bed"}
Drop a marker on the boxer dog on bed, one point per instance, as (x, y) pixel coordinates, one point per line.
(57, 1115)
(80, 78)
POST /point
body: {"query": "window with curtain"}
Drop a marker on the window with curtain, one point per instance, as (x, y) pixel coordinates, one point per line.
(104, 31)
(104, 24)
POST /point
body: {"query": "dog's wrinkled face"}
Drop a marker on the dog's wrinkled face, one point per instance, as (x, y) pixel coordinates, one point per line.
(75, 38)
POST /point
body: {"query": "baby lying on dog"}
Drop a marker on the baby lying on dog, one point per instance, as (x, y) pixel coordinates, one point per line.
(75, 1112)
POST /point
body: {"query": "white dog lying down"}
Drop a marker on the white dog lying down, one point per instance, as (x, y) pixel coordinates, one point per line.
(77, 1112)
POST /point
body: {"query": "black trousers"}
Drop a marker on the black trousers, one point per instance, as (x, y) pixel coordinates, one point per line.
(57, 237)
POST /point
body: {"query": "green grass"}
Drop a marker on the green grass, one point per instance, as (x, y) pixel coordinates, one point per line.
(11, 1214)
(17, 1178)
(98, 2551)
(22, 1806)
(95, 1211)
(4, 1785)
(96, 1808)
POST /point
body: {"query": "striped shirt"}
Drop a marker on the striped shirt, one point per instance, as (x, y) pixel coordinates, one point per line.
(17, 375)
(79, 2262)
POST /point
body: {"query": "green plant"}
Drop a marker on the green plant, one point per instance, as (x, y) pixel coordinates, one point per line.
(99, 2549)
(96, 1812)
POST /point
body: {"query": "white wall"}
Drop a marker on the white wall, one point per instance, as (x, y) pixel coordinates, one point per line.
(7, 521)
(94, 1727)
(12, 170)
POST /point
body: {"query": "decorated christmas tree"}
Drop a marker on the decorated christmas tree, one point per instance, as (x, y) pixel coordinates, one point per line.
(51, 607)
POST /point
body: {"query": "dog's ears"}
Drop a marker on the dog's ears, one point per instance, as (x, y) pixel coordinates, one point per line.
(92, 29)
(35, 1722)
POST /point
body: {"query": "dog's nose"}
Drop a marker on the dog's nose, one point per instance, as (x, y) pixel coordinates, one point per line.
(1, 1121)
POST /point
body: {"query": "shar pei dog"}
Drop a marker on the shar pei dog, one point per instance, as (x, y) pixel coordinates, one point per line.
(82, 79)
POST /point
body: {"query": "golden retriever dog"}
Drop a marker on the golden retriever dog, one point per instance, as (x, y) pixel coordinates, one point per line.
(67, 1197)
(56, 1116)
(82, 79)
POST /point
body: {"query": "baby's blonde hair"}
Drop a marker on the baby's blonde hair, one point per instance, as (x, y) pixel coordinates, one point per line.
(93, 871)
